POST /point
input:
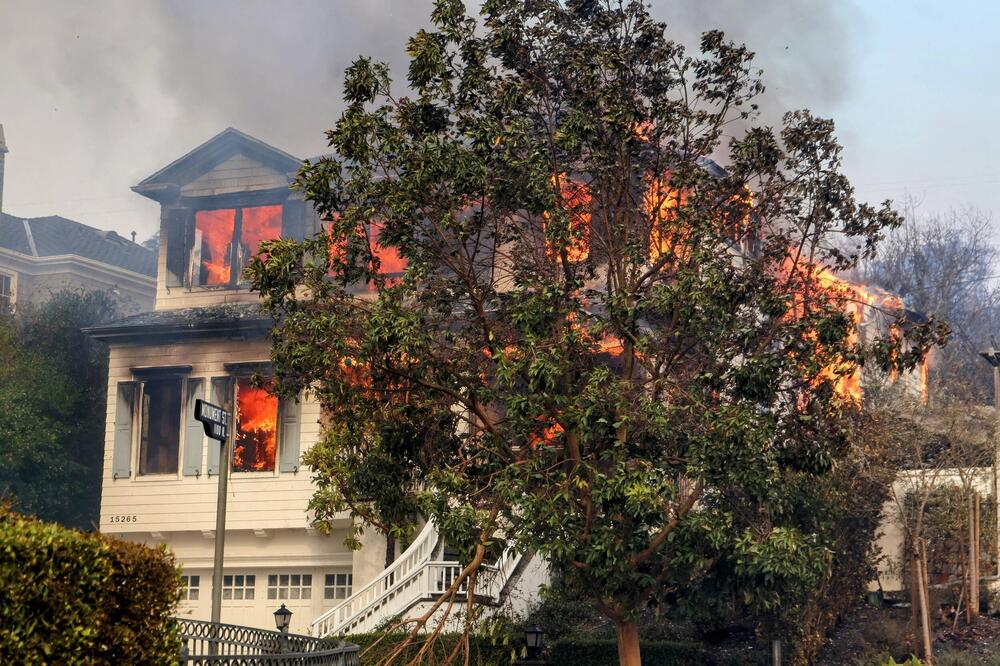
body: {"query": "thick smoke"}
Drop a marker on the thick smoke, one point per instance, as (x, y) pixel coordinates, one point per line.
(95, 96)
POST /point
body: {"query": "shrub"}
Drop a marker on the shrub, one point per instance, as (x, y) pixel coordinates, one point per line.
(76, 598)
(484, 652)
(574, 652)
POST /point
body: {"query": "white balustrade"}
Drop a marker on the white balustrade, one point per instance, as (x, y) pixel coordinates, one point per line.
(411, 579)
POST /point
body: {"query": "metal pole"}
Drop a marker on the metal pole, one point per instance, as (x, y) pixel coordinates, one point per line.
(776, 652)
(220, 533)
(996, 461)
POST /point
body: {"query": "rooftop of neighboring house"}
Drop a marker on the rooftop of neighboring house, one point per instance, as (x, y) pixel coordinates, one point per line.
(54, 236)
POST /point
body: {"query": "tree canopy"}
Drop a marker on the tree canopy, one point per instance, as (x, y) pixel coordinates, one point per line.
(53, 380)
(542, 315)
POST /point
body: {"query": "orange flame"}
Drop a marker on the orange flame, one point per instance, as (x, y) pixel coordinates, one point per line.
(256, 428)
(860, 302)
(661, 202)
(575, 202)
(216, 227)
(391, 263)
(260, 223)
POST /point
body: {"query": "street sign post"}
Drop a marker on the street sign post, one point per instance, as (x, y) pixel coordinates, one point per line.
(214, 418)
(216, 421)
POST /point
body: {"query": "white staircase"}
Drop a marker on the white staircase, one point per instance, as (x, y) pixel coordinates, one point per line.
(415, 577)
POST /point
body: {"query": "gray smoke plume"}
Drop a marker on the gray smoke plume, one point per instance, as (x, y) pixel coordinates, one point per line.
(95, 96)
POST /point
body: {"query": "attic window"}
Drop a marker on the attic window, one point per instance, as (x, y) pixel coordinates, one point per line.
(225, 240)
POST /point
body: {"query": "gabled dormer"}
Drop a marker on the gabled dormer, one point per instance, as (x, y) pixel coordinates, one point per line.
(218, 202)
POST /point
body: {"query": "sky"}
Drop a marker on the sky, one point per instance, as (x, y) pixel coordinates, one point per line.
(96, 95)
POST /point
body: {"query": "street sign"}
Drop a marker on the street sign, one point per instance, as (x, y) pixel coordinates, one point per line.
(214, 419)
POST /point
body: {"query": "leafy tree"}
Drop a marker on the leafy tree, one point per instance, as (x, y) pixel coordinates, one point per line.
(603, 348)
(53, 380)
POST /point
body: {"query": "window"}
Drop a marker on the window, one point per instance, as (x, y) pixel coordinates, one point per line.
(189, 588)
(289, 586)
(338, 586)
(6, 292)
(391, 264)
(238, 587)
(225, 240)
(160, 423)
(256, 439)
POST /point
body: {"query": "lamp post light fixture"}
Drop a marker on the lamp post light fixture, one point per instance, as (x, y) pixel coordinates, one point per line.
(282, 618)
(533, 641)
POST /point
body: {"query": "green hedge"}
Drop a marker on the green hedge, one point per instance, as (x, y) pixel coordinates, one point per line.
(597, 652)
(75, 598)
(484, 652)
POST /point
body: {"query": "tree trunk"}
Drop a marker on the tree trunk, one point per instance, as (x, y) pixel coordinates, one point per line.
(925, 611)
(979, 557)
(390, 550)
(964, 593)
(916, 596)
(973, 569)
(628, 644)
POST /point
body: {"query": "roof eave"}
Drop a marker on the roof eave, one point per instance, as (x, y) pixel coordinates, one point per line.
(168, 333)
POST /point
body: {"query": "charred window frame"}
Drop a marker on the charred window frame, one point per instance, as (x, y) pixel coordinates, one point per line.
(188, 240)
(159, 412)
(259, 449)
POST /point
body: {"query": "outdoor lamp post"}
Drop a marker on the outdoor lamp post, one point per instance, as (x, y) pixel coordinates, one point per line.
(533, 641)
(282, 618)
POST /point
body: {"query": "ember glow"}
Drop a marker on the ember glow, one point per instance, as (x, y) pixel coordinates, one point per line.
(391, 263)
(661, 203)
(215, 228)
(256, 428)
(260, 223)
(576, 203)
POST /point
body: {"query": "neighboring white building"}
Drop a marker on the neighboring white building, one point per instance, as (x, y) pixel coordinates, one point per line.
(42, 255)
(204, 339)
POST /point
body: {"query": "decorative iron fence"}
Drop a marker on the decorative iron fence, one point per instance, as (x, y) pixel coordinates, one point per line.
(212, 644)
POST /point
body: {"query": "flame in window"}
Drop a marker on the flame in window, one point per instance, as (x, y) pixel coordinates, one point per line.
(213, 235)
(575, 200)
(391, 263)
(256, 428)
(661, 203)
(260, 223)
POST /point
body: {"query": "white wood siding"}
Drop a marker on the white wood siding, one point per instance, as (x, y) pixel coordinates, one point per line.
(258, 500)
(237, 174)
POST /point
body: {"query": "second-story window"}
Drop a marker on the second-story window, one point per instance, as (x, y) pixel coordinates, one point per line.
(256, 434)
(159, 423)
(225, 239)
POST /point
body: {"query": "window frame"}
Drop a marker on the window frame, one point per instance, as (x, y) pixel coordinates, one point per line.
(275, 588)
(330, 590)
(140, 377)
(12, 295)
(236, 423)
(236, 280)
(245, 370)
(187, 588)
(249, 584)
(179, 220)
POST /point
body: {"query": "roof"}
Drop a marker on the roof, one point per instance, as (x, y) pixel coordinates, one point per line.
(215, 321)
(57, 236)
(210, 154)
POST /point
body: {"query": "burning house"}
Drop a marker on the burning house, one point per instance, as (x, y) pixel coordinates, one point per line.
(205, 339)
